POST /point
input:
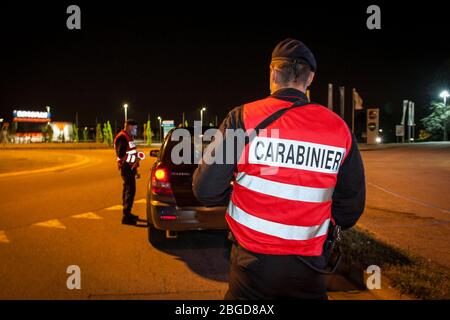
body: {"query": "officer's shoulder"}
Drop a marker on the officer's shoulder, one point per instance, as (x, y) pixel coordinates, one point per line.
(235, 110)
(120, 136)
(329, 114)
(234, 118)
(257, 103)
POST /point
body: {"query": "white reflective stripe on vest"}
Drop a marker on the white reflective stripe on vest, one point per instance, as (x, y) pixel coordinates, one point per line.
(284, 231)
(284, 190)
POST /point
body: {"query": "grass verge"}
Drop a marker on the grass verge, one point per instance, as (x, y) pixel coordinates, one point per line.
(408, 273)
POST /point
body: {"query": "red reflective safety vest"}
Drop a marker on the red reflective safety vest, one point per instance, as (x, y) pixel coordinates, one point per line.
(281, 199)
(131, 153)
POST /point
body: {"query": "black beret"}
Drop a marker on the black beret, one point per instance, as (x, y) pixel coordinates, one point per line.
(291, 49)
(131, 122)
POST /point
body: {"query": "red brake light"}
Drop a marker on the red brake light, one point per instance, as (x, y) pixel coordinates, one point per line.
(160, 182)
(161, 174)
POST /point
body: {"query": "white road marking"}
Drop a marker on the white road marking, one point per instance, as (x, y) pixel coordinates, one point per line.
(82, 160)
(412, 199)
(50, 224)
(118, 207)
(3, 237)
(87, 215)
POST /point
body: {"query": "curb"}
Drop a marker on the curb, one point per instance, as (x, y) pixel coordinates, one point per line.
(379, 147)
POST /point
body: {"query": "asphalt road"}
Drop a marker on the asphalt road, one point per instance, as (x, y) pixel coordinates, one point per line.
(408, 201)
(50, 221)
(53, 220)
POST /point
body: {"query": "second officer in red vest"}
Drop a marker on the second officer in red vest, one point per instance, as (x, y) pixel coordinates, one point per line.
(128, 163)
(301, 178)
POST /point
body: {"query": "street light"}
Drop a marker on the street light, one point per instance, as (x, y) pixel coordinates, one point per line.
(160, 127)
(201, 116)
(444, 94)
(125, 107)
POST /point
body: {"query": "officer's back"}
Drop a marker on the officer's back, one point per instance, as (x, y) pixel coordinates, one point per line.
(300, 175)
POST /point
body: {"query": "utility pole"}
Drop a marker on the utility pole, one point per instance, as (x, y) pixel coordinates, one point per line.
(405, 108)
(160, 128)
(125, 107)
(330, 96)
(410, 122)
(353, 110)
(342, 104)
(201, 116)
(444, 95)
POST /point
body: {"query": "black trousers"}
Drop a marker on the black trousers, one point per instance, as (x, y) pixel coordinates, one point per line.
(129, 188)
(258, 277)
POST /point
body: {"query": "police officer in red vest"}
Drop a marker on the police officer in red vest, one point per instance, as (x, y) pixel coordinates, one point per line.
(299, 176)
(128, 163)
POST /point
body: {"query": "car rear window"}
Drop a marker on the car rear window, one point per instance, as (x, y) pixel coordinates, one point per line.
(195, 151)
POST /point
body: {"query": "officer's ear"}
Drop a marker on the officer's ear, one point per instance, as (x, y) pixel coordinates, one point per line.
(310, 79)
(272, 80)
(275, 76)
(272, 74)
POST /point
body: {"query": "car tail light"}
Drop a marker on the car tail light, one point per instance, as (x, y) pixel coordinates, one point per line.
(160, 181)
(168, 217)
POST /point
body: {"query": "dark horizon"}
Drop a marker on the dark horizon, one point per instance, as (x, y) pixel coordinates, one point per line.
(163, 64)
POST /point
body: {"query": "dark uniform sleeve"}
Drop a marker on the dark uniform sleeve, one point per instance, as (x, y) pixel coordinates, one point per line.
(121, 147)
(211, 182)
(349, 195)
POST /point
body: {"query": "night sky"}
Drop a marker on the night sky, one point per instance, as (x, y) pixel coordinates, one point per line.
(170, 59)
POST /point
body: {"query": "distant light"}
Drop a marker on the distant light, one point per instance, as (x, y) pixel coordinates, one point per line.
(444, 94)
(380, 131)
(125, 105)
(159, 118)
(378, 140)
(204, 109)
(30, 114)
(1, 119)
(411, 139)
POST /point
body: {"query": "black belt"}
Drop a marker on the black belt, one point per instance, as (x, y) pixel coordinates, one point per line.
(331, 251)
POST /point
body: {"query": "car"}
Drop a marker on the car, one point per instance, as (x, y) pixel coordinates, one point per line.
(171, 204)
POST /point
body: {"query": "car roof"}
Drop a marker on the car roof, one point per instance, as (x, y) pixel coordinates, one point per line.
(192, 129)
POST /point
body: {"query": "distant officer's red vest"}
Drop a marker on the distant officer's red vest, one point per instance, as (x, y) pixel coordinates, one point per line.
(281, 200)
(131, 155)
